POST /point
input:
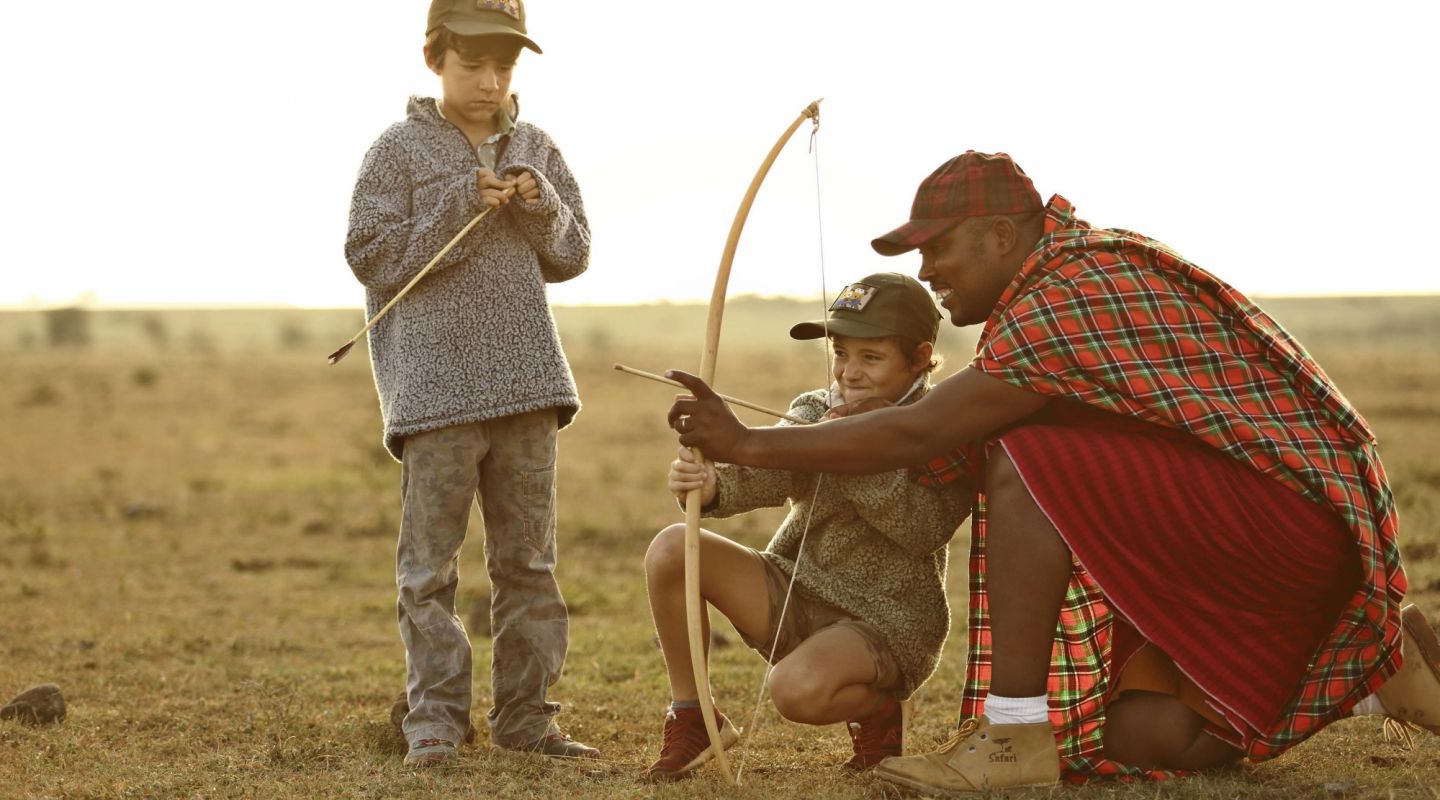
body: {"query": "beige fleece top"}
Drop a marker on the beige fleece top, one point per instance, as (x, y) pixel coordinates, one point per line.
(876, 545)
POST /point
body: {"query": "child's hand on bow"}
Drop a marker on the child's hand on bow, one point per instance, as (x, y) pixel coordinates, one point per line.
(687, 473)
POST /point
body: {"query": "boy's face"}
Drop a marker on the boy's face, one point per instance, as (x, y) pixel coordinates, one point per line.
(866, 368)
(474, 86)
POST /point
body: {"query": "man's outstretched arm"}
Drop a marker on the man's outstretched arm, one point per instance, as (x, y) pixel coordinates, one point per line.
(965, 407)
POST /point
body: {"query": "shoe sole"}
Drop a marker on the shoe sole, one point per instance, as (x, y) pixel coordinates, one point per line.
(422, 760)
(431, 755)
(925, 788)
(401, 707)
(1413, 621)
(591, 755)
(729, 735)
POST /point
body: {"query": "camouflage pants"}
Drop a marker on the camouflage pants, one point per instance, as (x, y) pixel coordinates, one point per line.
(509, 465)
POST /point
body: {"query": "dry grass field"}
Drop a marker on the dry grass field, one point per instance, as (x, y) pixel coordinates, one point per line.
(197, 532)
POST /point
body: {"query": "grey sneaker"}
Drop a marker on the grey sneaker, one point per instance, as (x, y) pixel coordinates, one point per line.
(431, 753)
(401, 707)
(560, 745)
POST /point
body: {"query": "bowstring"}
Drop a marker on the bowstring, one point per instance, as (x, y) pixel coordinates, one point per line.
(819, 476)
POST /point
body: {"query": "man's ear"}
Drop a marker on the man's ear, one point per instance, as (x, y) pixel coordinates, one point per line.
(1006, 234)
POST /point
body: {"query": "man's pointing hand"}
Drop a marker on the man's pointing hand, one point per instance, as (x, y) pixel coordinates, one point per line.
(703, 420)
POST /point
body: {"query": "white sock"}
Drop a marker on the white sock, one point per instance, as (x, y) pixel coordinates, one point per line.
(1016, 710)
(1369, 706)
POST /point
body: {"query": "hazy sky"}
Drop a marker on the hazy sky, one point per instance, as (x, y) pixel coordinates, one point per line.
(189, 152)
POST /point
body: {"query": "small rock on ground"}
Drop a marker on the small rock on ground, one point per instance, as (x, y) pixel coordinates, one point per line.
(38, 705)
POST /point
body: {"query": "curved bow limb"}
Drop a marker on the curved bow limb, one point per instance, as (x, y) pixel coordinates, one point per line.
(694, 605)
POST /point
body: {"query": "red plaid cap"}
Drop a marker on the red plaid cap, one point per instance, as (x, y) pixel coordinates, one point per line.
(968, 185)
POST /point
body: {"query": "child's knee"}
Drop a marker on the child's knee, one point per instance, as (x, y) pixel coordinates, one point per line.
(667, 551)
(798, 694)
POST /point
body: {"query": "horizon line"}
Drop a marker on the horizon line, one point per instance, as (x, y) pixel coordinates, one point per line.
(748, 297)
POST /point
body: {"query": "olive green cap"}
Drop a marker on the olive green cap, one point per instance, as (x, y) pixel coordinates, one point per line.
(481, 18)
(883, 304)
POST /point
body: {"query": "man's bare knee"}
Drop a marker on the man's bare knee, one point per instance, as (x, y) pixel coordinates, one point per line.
(1013, 511)
(1144, 730)
(1126, 744)
(1002, 480)
(1156, 731)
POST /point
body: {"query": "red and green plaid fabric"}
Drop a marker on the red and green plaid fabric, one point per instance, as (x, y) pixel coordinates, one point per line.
(969, 185)
(1123, 323)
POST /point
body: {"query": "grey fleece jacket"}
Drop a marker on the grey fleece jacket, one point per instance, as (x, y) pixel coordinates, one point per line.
(876, 546)
(475, 339)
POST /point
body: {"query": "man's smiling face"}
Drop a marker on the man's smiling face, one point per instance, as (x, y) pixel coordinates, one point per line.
(965, 270)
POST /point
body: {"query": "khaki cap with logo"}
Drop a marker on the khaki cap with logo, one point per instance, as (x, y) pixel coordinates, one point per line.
(481, 18)
(883, 304)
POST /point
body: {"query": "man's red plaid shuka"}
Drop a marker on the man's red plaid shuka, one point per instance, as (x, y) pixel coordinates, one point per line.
(1122, 323)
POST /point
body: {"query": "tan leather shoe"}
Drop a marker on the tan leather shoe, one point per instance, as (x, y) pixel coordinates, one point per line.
(981, 756)
(1413, 693)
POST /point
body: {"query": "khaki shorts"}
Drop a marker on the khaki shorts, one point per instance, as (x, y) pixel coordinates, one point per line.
(806, 617)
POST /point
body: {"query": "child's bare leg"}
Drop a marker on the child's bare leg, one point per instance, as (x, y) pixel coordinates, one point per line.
(731, 579)
(828, 678)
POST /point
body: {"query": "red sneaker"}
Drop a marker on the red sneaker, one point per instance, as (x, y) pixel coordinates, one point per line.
(876, 737)
(687, 745)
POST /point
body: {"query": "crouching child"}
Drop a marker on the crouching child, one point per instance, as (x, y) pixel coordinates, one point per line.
(867, 615)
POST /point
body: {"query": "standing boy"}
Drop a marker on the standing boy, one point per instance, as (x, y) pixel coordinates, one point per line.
(472, 381)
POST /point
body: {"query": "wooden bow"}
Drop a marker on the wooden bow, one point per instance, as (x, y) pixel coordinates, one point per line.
(694, 608)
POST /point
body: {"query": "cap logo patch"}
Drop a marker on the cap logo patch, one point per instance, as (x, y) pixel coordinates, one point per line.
(854, 297)
(511, 7)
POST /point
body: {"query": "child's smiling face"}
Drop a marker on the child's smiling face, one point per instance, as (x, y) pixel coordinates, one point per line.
(866, 368)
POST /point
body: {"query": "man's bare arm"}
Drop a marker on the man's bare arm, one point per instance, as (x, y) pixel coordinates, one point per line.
(965, 407)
